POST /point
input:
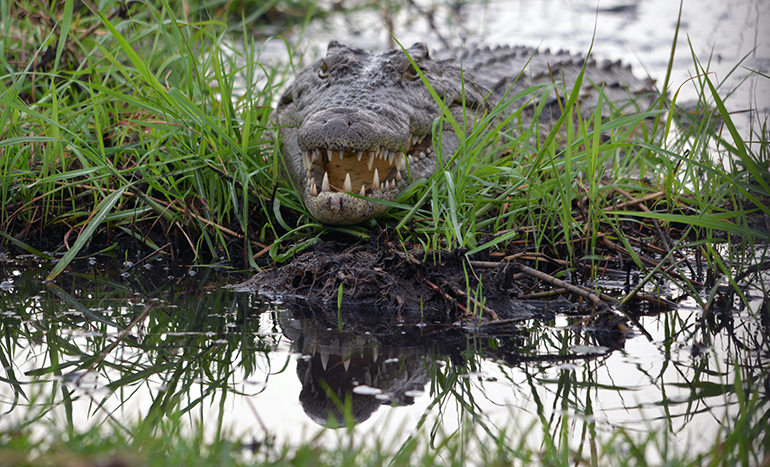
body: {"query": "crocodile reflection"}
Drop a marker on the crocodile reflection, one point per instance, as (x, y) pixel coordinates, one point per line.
(339, 369)
(376, 361)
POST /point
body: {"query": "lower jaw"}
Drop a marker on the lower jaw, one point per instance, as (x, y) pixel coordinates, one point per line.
(342, 209)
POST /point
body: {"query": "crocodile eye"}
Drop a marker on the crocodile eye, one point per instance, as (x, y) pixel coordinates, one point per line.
(323, 71)
(411, 73)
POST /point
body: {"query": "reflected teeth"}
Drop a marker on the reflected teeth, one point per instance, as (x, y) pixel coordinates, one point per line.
(347, 186)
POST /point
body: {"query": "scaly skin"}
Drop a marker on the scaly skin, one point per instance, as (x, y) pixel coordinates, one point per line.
(359, 122)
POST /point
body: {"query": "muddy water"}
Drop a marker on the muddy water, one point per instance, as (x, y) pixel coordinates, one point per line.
(251, 367)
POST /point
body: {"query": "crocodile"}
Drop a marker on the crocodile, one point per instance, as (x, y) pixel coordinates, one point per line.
(356, 126)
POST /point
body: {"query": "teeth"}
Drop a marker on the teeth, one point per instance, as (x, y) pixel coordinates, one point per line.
(422, 155)
(391, 156)
(329, 154)
(313, 188)
(410, 159)
(346, 364)
(398, 176)
(363, 191)
(359, 155)
(386, 185)
(370, 161)
(341, 153)
(306, 159)
(400, 162)
(325, 183)
(376, 179)
(324, 358)
(347, 185)
(316, 155)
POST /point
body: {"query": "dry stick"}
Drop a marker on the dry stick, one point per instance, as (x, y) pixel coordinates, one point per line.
(477, 303)
(121, 335)
(583, 293)
(635, 201)
(560, 283)
(445, 295)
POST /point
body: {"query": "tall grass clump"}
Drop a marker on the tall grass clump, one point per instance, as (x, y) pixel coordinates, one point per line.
(134, 127)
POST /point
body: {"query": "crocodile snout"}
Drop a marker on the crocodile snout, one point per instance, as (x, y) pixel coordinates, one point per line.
(348, 128)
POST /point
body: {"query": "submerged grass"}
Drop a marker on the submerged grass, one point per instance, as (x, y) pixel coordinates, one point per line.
(144, 128)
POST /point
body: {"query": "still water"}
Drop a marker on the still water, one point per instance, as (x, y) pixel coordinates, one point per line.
(240, 364)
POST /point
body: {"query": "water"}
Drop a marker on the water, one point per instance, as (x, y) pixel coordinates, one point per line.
(250, 367)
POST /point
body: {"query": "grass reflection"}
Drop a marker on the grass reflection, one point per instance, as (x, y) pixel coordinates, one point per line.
(148, 372)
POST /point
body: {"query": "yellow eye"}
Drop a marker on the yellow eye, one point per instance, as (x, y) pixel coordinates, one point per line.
(323, 71)
(411, 73)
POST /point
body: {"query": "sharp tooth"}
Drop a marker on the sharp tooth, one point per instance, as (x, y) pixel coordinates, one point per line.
(386, 185)
(346, 364)
(363, 191)
(313, 189)
(400, 162)
(376, 179)
(329, 154)
(316, 155)
(325, 183)
(370, 161)
(385, 153)
(306, 159)
(359, 155)
(398, 176)
(420, 138)
(324, 358)
(415, 140)
(341, 153)
(391, 156)
(375, 353)
(347, 186)
(410, 159)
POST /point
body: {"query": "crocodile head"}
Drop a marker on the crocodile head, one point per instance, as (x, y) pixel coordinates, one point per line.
(355, 127)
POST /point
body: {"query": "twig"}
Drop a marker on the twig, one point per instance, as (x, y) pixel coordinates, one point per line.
(560, 283)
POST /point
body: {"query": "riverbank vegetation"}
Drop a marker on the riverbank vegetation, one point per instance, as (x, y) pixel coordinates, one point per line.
(143, 129)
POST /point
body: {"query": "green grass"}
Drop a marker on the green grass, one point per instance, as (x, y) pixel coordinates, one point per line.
(134, 128)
